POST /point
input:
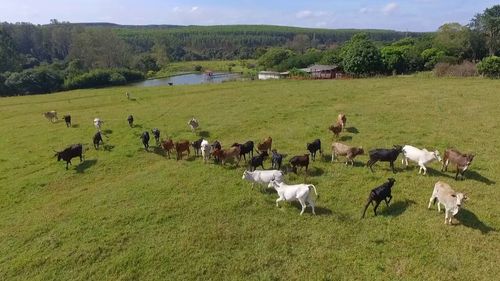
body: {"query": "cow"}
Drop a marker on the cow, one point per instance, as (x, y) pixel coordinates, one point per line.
(262, 177)
(167, 145)
(127, 94)
(384, 155)
(336, 129)
(205, 150)
(72, 151)
(462, 161)
(341, 119)
(340, 149)
(451, 200)
(246, 148)
(276, 159)
(180, 147)
(67, 119)
(299, 161)
(193, 124)
(266, 144)
(378, 194)
(145, 140)
(226, 154)
(97, 140)
(215, 146)
(296, 192)
(313, 147)
(51, 115)
(420, 156)
(130, 120)
(98, 123)
(156, 135)
(257, 161)
(197, 146)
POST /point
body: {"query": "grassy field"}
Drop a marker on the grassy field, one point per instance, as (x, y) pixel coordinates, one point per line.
(213, 65)
(127, 214)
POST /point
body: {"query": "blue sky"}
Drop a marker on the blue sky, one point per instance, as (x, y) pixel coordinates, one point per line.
(409, 15)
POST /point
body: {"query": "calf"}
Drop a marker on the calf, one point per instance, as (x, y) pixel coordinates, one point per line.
(98, 123)
(462, 161)
(296, 192)
(336, 129)
(197, 146)
(276, 159)
(156, 134)
(145, 140)
(384, 155)
(420, 156)
(72, 151)
(67, 119)
(340, 149)
(130, 120)
(193, 124)
(51, 115)
(167, 145)
(180, 147)
(258, 160)
(226, 154)
(97, 140)
(246, 148)
(314, 146)
(378, 194)
(341, 119)
(216, 146)
(205, 150)
(262, 177)
(451, 200)
(266, 144)
(299, 161)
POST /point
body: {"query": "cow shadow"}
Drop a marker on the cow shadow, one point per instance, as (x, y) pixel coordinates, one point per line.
(204, 134)
(352, 130)
(473, 175)
(320, 211)
(397, 208)
(139, 126)
(82, 167)
(315, 172)
(75, 126)
(107, 131)
(159, 151)
(345, 138)
(469, 219)
(108, 147)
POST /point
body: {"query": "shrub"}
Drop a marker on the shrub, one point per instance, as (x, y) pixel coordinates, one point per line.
(490, 67)
(198, 68)
(103, 77)
(34, 81)
(465, 69)
(117, 79)
(130, 75)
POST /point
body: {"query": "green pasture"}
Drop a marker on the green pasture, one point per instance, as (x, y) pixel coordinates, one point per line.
(127, 214)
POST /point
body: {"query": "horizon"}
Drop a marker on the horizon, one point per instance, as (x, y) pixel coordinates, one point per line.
(409, 16)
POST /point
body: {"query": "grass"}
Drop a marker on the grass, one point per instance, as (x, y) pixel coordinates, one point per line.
(126, 214)
(213, 65)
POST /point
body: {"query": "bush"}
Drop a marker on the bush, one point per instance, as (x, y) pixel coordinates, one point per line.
(103, 77)
(130, 75)
(34, 81)
(490, 67)
(465, 69)
(198, 68)
(117, 79)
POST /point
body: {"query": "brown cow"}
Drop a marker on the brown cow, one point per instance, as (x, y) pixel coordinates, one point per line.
(462, 161)
(336, 129)
(340, 149)
(167, 146)
(265, 145)
(180, 147)
(299, 161)
(229, 153)
(341, 119)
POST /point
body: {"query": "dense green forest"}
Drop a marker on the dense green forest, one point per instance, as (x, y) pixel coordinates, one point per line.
(61, 55)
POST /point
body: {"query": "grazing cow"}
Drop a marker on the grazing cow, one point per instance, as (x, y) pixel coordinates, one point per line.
(341, 119)
(266, 144)
(156, 134)
(67, 119)
(170, 83)
(205, 150)
(51, 115)
(296, 192)
(130, 120)
(462, 161)
(276, 159)
(246, 148)
(180, 147)
(378, 194)
(336, 129)
(340, 149)
(127, 94)
(193, 124)
(299, 161)
(98, 123)
(167, 146)
(145, 140)
(216, 146)
(262, 177)
(257, 161)
(384, 155)
(451, 200)
(197, 146)
(97, 140)
(226, 154)
(314, 146)
(72, 151)
(420, 156)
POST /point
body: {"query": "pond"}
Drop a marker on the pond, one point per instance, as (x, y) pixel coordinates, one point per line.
(189, 79)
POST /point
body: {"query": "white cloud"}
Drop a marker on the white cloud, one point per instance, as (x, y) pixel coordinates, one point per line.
(194, 9)
(304, 14)
(390, 8)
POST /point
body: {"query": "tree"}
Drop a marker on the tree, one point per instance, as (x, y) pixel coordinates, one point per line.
(273, 57)
(488, 24)
(332, 57)
(9, 58)
(360, 56)
(453, 39)
(300, 43)
(490, 66)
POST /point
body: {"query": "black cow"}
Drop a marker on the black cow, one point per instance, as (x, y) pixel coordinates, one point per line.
(258, 160)
(145, 140)
(246, 148)
(74, 150)
(313, 147)
(97, 139)
(276, 159)
(197, 146)
(384, 155)
(130, 120)
(378, 194)
(156, 134)
(67, 119)
(216, 146)
(299, 161)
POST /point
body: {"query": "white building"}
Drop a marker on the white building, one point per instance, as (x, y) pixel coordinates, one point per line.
(265, 75)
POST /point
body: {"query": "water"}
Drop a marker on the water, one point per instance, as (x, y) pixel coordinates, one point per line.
(189, 79)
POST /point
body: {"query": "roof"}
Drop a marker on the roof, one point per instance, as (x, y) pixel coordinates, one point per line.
(319, 67)
(269, 72)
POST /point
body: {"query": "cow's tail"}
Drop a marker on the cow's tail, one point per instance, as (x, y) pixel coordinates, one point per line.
(311, 185)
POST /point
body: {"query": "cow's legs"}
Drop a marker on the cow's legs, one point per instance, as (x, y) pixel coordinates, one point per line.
(303, 204)
(278, 200)
(376, 206)
(392, 166)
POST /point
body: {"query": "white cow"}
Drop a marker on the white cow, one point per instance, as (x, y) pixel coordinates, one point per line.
(449, 198)
(420, 156)
(205, 150)
(296, 192)
(262, 176)
(98, 123)
(193, 124)
(51, 115)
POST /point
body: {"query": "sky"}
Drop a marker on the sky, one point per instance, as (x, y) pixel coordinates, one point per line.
(408, 15)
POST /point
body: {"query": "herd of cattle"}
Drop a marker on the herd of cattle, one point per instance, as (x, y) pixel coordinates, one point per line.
(274, 178)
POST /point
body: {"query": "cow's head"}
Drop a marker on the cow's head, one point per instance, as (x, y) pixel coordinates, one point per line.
(399, 148)
(361, 151)
(460, 198)
(58, 155)
(437, 156)
(246, 174)
(273, 184)
(469, 157)
(391, 180)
